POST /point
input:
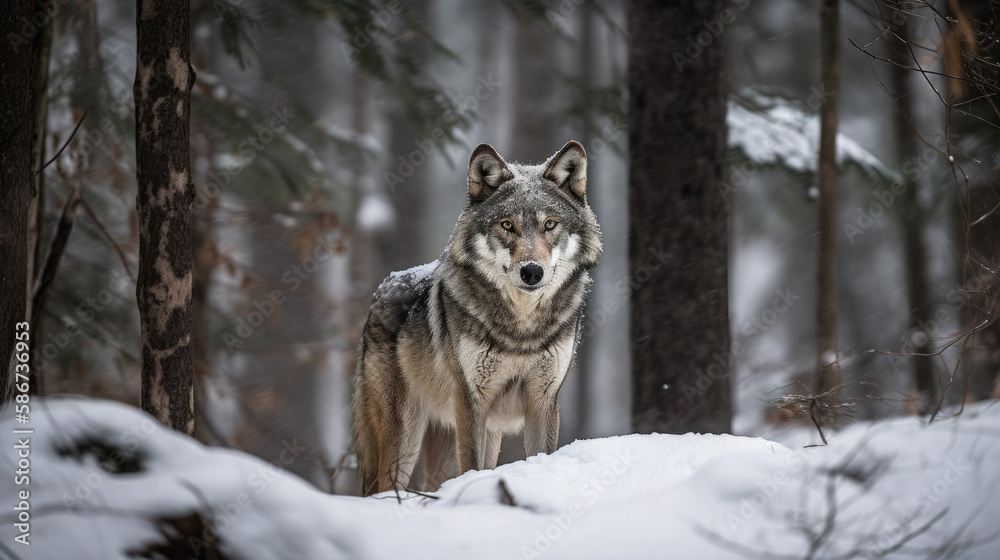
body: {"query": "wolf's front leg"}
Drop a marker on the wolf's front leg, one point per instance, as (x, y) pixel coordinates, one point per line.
(470, 424)
(413, 427)
(541, 424)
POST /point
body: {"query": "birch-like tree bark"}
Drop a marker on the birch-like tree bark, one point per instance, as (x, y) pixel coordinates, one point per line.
(162, 91)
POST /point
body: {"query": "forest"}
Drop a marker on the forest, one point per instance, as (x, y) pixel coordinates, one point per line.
(789, 211)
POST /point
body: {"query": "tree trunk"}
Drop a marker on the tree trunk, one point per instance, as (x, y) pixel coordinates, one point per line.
(162, 93)
(827, 371)
(536, 91)
(584, 362)
(678, 230)
(36, 210)
(17, 124)
(40, 99)
(967, 51)
(402, 248)
(205, 256)
(912, 219)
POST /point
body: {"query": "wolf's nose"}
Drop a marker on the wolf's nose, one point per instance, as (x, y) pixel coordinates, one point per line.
(532, 274)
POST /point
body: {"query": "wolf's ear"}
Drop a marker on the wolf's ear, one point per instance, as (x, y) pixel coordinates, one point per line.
(568, 170)
(487, 171)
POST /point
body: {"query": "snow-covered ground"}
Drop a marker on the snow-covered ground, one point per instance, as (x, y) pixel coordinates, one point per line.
(106, 481)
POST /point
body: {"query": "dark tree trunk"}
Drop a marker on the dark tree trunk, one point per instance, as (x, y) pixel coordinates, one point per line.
(678, 230)
(162, 93)
(39, 91)
(17, 126)
(36, 210)
(969, 51)
(535, 92)
(827, 370)
(589, 56)
(912, 218)
(403, 247)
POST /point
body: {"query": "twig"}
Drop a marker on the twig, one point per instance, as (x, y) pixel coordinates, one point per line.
(506, 497)
(107, 234)
(912, 69)
(915, 533)
(59, 153)
(830, 520)
(55, 253)
(812, 416)
(9, 552)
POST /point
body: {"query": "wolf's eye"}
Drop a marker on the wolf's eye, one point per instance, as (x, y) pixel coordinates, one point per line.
(507, 225)
(550, 225)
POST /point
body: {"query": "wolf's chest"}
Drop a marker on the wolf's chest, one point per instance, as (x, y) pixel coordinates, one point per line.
(490, 370)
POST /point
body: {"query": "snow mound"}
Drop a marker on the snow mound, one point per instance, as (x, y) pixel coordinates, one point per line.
(606, 469)
(108, 482)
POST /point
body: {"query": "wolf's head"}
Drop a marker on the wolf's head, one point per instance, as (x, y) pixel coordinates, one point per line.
(528, 228)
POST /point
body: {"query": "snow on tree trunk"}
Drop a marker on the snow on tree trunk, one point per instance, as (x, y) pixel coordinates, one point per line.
(678, 230)
(162, 91)
(828, 372)
(17, 122)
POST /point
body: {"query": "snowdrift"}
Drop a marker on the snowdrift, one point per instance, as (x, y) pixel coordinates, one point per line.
(107, 482)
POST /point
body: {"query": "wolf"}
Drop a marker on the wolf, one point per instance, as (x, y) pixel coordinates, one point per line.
(476, 344)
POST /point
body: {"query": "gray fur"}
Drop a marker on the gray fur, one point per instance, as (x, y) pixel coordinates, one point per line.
(465, 343)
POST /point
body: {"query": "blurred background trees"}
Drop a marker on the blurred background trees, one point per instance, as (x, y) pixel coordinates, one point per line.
(329, 141)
